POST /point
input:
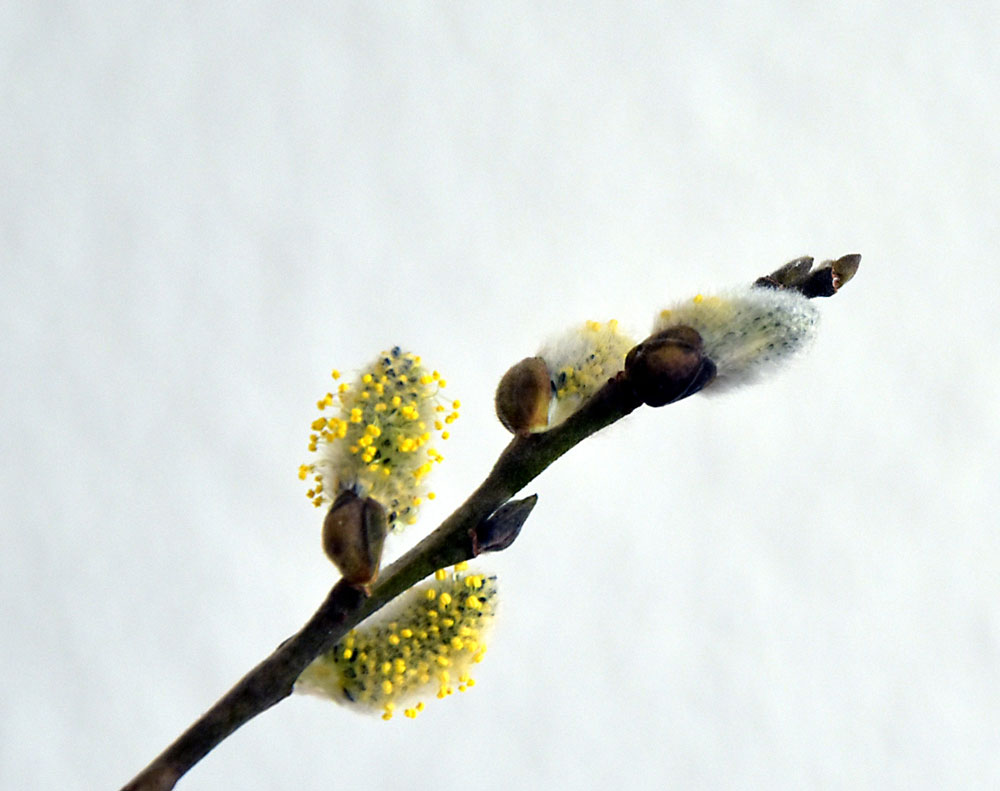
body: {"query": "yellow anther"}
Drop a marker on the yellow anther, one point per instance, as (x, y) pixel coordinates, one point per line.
(440, 575)
(343, 387)
(400, 666)
(373, 430)
(473, 603)
(407, 633)
(348, 653)
(396, 401)
(387, 687)
(456, 404)
(698, 299)
(386, 668)
(304, 470)
(462, 565)
(335, 373)
(393, 639)
(431, 594)
(457, 643)
(445, 434)
(431, 495)
(367, 379)
(445, 599)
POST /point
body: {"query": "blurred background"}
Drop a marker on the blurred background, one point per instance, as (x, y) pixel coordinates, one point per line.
(206, 207)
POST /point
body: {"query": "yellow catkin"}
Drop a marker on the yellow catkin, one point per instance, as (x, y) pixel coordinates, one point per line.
(374, 438)
(417, 654)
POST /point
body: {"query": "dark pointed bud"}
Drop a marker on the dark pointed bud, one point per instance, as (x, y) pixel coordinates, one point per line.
(669, 366)
(498, 531)
(791, 275)
(353, 534)
(823, 281)
(523, 397)
(844, 268)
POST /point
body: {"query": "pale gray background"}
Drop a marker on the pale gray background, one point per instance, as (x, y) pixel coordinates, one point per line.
(206, 206)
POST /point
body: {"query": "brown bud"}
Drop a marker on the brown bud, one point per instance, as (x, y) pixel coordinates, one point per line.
(353, 534)
(501, 528)
(669, 366)
(523, 396)
(844, 268)
(823, 281)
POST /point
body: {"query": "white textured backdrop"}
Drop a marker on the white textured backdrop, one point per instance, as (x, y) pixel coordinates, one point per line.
(205, 207)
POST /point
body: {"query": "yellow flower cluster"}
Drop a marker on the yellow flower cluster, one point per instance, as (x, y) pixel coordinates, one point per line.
(424, 645)
(374, 436)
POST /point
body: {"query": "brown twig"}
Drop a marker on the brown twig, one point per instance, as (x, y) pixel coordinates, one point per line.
(346, 606)
(478, 524)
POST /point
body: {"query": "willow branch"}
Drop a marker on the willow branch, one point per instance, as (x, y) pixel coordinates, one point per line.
(660, 370)
(458, 538)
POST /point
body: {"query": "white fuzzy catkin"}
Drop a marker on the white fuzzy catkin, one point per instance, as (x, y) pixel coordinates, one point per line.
(747, 332)
(580, 362)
